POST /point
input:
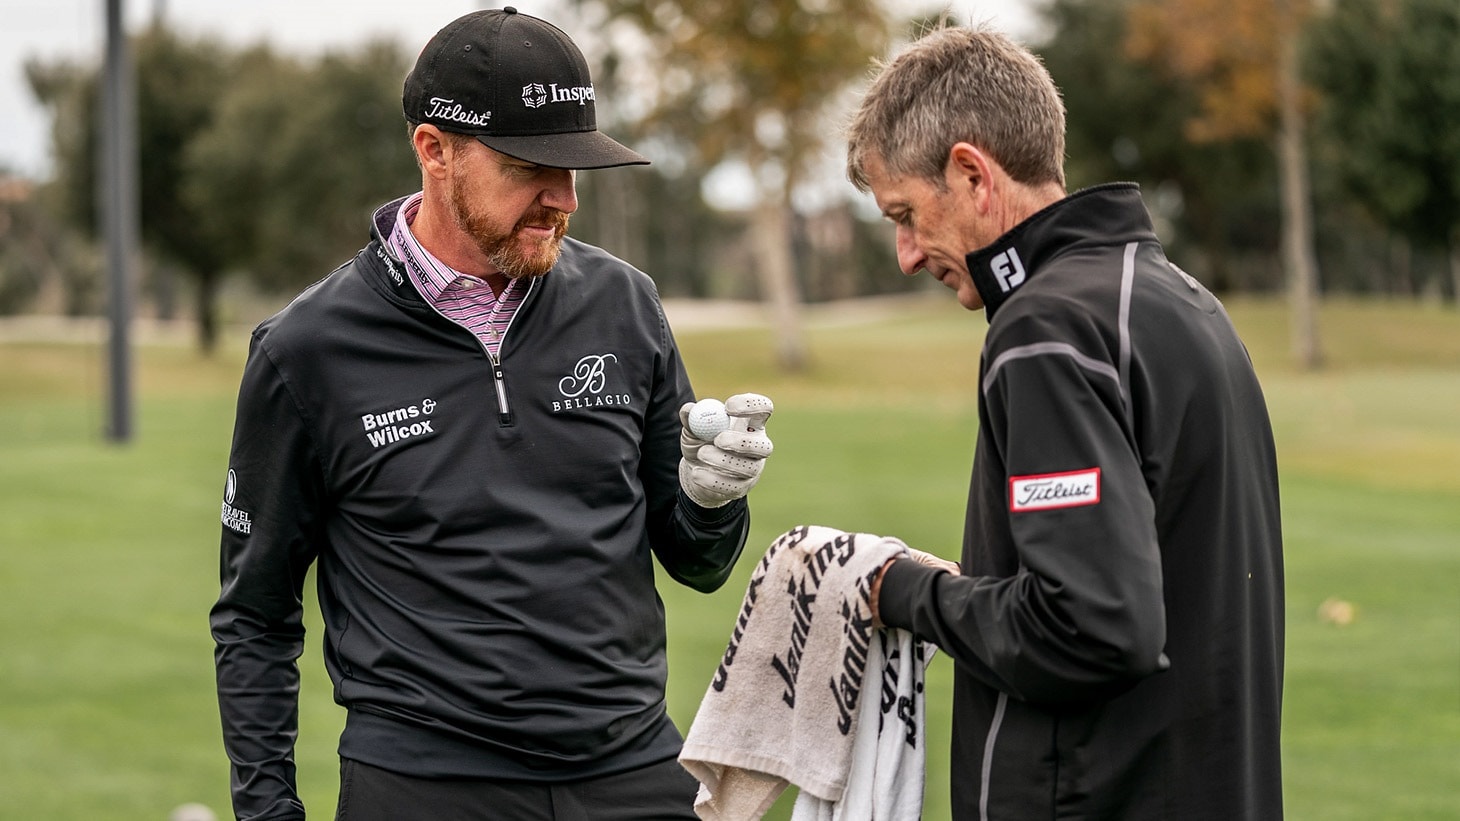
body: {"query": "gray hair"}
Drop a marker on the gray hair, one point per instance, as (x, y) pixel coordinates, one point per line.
(960, 85)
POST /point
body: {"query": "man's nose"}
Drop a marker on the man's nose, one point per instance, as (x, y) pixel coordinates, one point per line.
(910, 258)
(560, 192)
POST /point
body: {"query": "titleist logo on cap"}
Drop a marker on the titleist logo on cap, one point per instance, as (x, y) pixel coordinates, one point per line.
(441, 109)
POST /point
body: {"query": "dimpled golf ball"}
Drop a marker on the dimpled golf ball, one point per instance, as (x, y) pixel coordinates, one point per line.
(707, 418)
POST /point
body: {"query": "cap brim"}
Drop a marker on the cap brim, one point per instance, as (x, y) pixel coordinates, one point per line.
(578, 150)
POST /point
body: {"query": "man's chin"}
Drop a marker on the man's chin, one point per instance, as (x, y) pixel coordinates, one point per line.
(530, 265)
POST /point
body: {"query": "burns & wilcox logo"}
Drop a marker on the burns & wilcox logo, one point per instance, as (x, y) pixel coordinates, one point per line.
(238, 521)
(587, 385)
(399, 424)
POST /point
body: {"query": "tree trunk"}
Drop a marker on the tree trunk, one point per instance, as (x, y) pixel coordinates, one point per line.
(771, 237)
(1299, 257)
(207, 307)
(1401, 267)
(613, 210)
(50, 295)
(163, 282)
(1455, 266)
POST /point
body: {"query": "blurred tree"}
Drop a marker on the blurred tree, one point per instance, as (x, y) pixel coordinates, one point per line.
(230, 168)
(178, 84)
(657, 220)
(753, 81)
(287, 182)
(22, 269)
(1390, 70)
(1213, 199)
(236, 175)
(1241, 57)
(654, 217)
(70, 92)
(43, 265)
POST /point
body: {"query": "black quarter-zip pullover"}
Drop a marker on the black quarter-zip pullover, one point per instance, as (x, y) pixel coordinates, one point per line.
(1118, 630)
(485, 570)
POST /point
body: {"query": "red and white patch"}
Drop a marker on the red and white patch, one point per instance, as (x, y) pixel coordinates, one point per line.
(1051, 491)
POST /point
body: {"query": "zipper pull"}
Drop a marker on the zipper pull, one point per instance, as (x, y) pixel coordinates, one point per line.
(499, 380)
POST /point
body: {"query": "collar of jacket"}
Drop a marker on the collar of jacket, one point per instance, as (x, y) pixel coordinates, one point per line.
(380, 263)
(1102, 215)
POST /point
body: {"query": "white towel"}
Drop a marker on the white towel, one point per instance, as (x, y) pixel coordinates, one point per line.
(809, 693)
(887, 771)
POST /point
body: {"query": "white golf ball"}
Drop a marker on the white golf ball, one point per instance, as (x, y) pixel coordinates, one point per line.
(192, 812)
(707, 418)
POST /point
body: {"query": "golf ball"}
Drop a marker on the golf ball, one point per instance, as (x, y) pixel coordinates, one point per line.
(707, 418)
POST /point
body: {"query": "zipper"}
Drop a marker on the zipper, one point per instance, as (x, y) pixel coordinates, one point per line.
(988, 756)
(499, 380)
(499, 376)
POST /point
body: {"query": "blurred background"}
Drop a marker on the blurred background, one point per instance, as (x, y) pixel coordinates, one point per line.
(1300, 157)
(1284, 146)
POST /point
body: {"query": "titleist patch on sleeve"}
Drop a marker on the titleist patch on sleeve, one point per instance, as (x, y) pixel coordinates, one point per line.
(1050, 491)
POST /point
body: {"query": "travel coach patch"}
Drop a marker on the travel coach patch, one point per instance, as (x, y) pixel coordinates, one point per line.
(239, 521)
(1051, 491)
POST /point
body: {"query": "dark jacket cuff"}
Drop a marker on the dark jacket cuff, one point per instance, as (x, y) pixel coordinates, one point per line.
(904, 584)
(711, 515)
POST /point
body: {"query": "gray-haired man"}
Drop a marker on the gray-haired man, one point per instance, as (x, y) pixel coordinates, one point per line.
(1117, 626)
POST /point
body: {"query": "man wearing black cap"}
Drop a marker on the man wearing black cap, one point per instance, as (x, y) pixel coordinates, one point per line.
(475, 428)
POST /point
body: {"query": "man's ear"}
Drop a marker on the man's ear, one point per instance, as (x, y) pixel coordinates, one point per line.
(969, 172)
(431, 149)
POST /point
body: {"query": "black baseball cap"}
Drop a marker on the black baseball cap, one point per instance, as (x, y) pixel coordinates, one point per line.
(517, 84)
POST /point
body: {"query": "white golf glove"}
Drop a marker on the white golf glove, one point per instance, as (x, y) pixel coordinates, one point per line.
(929, 560)
(714, 474)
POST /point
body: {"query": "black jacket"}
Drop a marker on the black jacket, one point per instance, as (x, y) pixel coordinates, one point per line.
(1118, 632)
(483, 530)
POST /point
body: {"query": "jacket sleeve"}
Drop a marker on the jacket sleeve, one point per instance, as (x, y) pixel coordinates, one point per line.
(1082, 617)
(270, 515)
(697, 546)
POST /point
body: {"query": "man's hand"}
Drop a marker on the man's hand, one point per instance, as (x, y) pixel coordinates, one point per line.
(715, 474)
(934, 562)
(918, 556)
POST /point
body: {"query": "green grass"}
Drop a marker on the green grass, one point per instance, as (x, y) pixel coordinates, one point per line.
(108, 558)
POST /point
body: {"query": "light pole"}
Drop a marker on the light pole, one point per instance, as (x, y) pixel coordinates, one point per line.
(119, 215)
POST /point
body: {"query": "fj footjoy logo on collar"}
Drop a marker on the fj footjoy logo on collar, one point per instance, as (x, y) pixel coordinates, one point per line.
(238, 521)
(1008, 270)
(1051, 491)
(534, 95)
(587, 385)
(444, 109)
(399, 424)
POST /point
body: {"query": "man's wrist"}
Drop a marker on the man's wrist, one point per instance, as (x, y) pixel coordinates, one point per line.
(875, 597)
(710, 515)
